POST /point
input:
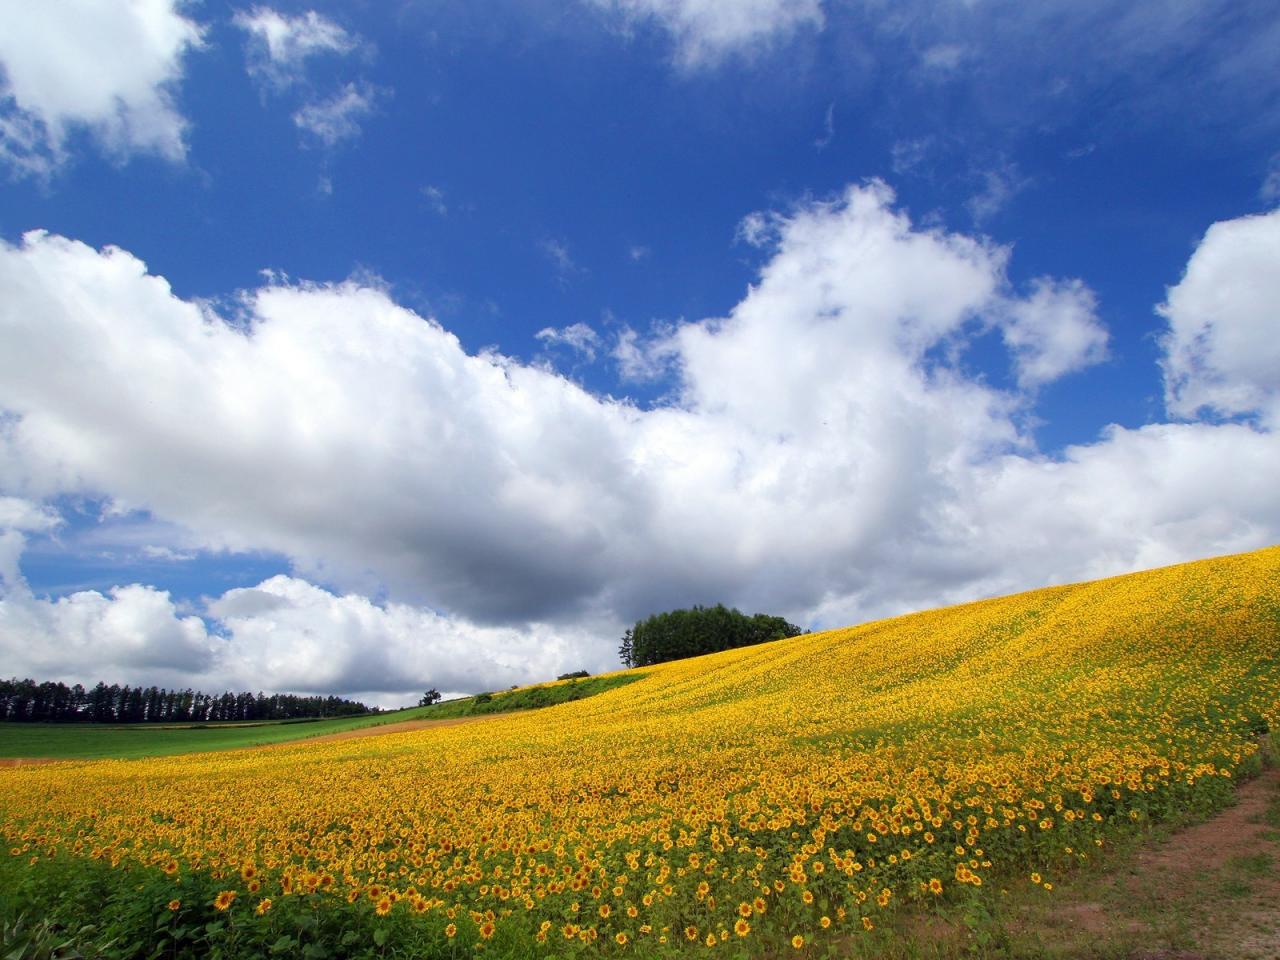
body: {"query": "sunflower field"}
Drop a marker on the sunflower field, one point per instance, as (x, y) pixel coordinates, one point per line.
(764, 801)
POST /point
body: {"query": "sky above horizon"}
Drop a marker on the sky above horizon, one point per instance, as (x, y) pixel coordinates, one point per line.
(362, 348)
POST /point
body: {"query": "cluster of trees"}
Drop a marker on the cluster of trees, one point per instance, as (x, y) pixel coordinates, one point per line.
(690, 633)
(26, 700)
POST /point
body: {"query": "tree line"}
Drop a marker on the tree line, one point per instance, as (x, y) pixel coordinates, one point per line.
(26, 700)
(677, 634)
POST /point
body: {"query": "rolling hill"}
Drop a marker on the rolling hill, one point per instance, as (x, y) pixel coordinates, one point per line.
(761, 799)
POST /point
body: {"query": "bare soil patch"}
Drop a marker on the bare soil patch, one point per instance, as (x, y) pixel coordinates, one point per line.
(1209, 892)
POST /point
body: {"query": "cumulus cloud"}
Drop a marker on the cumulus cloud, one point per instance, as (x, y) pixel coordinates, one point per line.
(303, 637)
(821, 454)
(1054, 332)
(284, 634)
(132, 631)
(17, 518)
(640, 359)
(23, 515)
(1222, 350)
(280, 45)
(109, 68)
(705, 31)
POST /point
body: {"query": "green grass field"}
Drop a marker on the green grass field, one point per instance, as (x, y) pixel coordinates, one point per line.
(131, 741)
(92, 741)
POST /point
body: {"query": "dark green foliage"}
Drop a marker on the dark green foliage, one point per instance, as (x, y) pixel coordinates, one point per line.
(26, 701)
(131, 919)
(576, 675)
(677, 634)
(430, 697)
(22, 938)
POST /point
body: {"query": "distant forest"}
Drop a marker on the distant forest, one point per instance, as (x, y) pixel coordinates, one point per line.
(26, 700)
(677, 634)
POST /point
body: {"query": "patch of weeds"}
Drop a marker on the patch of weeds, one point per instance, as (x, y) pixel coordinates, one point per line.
(1236, 887)
(1256, 865)
(1241, 872)
(1272, 816)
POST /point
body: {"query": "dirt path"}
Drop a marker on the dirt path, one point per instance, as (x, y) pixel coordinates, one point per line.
(1209, 892)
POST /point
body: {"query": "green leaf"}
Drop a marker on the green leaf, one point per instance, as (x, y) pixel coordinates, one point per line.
(380, 937)
(286, 942)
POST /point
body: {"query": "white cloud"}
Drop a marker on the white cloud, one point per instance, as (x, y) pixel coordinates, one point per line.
(19, 514)
(278, 53)
(130, 632)
(17, 518)
(578, 337)
(1270, 189)
(1000, 184)
(561, 259)
(280, 45)
(302, 637)
(338, 118)
(820, 456)
(1054, 332)
(1140, 498)
(641, 359)
(907, 155)
(705, 31)
(284, 634)
(942, 57)
(1222, 351)
(435, 197)
(166, 554)
(828, 128)
(107, 67)
(756, 229)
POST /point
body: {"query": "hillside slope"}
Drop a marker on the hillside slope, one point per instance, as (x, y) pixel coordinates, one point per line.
(766, 793)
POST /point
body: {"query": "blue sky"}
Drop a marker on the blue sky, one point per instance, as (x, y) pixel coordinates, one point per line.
(376, 346)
